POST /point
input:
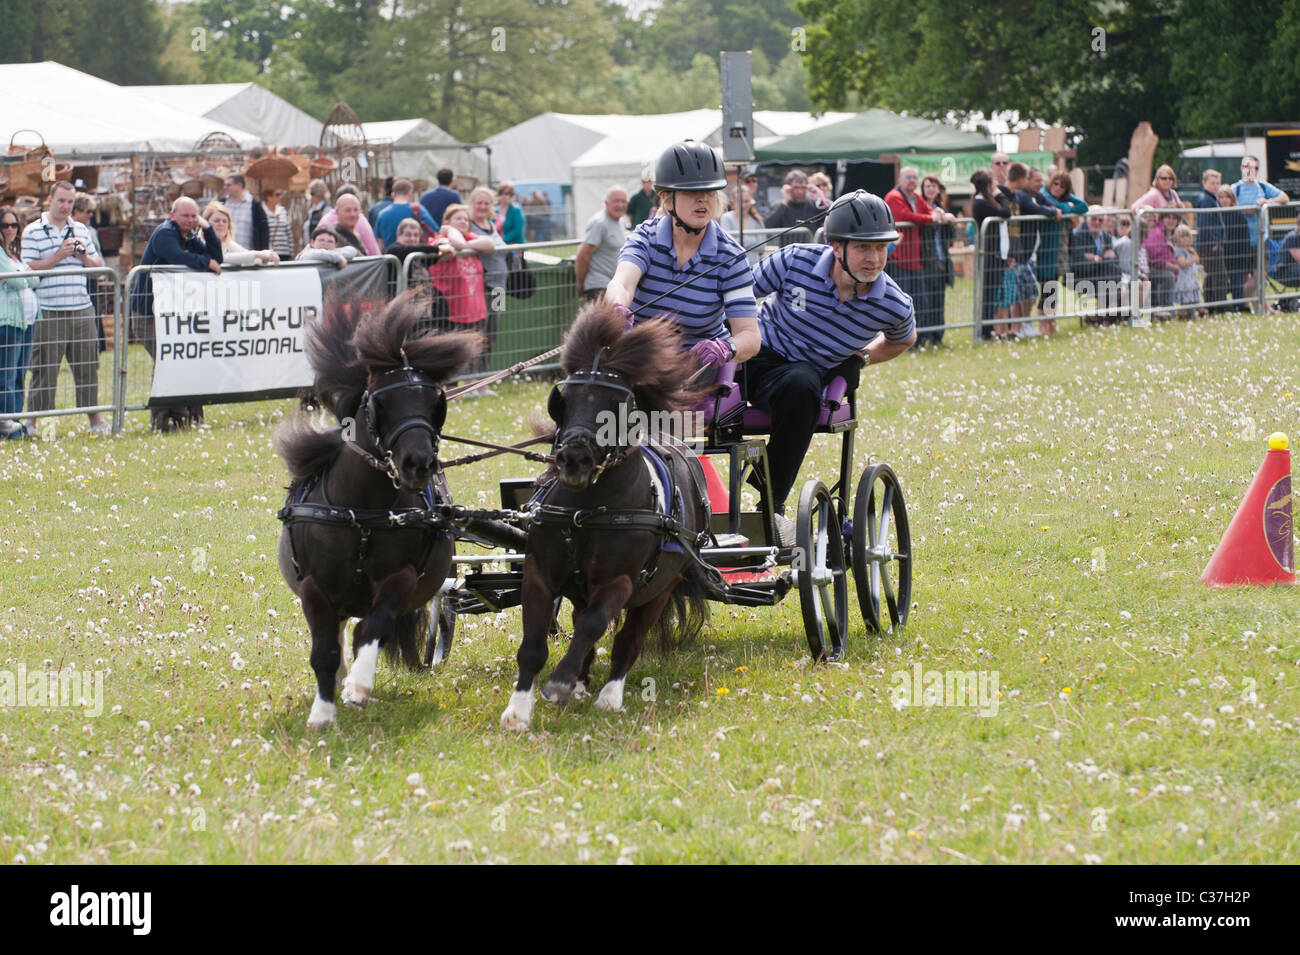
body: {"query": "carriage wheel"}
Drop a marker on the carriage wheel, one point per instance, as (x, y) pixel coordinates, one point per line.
(882, 550)
(442, 627)
(819, 560)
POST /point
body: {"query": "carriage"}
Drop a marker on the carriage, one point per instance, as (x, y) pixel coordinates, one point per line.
(370, 534)
(843, 528)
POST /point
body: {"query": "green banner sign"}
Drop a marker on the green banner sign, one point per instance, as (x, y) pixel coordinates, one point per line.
(954, 169)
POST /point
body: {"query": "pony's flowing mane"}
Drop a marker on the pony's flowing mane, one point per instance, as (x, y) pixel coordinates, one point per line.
(650, 356)
(344, 351)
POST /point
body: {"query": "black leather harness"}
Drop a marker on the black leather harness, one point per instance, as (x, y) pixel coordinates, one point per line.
(668, 524)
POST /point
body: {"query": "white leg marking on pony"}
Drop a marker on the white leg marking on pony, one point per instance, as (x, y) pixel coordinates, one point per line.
(519, 711)
(611, 697)
(579, 691)
(322, 714)
(361, 679)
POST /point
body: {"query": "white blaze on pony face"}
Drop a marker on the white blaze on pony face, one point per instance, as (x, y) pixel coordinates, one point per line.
(611, 697)
(519, 712)
(361, 678)
(322, 714)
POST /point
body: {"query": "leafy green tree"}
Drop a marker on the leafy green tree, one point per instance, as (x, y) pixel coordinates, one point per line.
(121, 42)
(248, 30)
(666, 90)
(1234, 62)
(673, 33)
(1191, 67)
(472, 69)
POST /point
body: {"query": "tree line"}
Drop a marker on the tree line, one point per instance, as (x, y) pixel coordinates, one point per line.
(1193, 68)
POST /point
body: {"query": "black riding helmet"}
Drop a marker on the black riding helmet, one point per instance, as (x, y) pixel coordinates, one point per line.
(689, 166)
(860, 217)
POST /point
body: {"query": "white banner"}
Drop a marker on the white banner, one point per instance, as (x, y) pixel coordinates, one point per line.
(239, 333)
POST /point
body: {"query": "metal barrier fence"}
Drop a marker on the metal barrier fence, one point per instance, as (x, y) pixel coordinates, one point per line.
(81, 337)
(516, 328)
(1282, 226)
(749, 238)
(943, 287)
(1194, 260)
(1034, 271)
(1109, 265)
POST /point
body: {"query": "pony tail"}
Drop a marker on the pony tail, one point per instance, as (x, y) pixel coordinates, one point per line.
(687, 612)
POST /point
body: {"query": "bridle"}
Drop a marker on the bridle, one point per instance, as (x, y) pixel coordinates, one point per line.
(593, 378)
(383, 442)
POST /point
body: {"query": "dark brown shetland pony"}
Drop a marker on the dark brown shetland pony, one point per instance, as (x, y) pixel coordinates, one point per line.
(359, 536)
(595, 536)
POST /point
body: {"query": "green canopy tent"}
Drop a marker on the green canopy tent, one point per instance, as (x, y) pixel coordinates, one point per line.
(860, 141)
(870, 135)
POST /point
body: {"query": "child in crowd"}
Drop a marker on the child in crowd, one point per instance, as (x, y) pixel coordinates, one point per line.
(326, 247)
(1006, 302)
(1187, 287)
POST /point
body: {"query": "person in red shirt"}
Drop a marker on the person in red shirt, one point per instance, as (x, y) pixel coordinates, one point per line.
(909, 207)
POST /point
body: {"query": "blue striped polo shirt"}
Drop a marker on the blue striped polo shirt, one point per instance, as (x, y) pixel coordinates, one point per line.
(804, 319)
(700, 304)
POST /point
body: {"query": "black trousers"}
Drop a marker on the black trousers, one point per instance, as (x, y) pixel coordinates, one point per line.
(791, 393)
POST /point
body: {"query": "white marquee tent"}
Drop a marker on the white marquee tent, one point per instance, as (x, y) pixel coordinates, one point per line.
(82, 116)
(594, 152)
(242, 105)
(421, 148)
(636, 141)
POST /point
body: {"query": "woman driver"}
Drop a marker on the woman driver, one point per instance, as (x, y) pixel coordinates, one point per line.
(715, 313)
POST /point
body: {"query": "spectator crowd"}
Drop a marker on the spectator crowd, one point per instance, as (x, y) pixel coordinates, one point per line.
(1036, 239)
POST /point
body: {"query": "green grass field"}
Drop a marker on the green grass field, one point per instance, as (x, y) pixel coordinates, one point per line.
(1065, 496)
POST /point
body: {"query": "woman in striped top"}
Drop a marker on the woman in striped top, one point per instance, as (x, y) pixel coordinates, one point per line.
(681, 264)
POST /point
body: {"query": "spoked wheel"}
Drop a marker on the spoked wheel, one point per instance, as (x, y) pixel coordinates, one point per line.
(882, 550)
(819, 560)
(442, 627)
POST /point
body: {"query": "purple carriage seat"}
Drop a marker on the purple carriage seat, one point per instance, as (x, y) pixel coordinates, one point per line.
(727, 401)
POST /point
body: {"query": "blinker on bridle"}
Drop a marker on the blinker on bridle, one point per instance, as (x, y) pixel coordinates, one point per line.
(384, 442)
(595, 378)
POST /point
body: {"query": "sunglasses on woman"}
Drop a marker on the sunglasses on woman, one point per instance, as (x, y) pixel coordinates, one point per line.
(9, 225)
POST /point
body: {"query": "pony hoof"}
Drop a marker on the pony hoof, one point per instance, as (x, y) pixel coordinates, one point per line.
(321, 716)
(557, 693)
(518, 713)
(611, 697)
(580, 691)
(512, 723)
(354, 695)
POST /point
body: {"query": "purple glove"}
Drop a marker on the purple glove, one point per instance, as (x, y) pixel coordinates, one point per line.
(714, 351)
(626, 313)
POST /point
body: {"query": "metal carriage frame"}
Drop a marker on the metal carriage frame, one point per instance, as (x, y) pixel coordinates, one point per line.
(753, 567)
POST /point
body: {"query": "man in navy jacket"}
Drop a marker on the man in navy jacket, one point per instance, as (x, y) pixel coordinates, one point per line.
(178, 241)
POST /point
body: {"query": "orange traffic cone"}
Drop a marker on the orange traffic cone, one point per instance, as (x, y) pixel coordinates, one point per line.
(1256, 548)
(719, 499)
